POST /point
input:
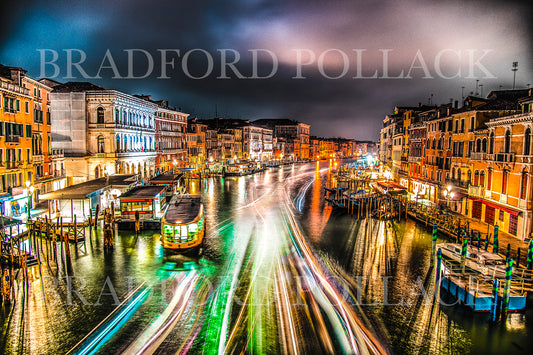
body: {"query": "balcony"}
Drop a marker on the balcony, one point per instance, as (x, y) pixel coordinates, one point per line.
(526, 159)
(171, 151)
(478, 156)
(57, 154)
(38, 159)
(12, 139)
(14, 88)
(415, 159)
(59, 173)
(476, 191)
(132, 153)
(504, 157)
(458, 183)
(13, 164)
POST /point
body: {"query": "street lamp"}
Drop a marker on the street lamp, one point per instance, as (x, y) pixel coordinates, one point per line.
(448, 195)
(29, 191)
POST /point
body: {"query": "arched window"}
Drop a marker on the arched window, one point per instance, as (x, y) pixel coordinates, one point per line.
(482, 179)
(476, 178)
(505, 179)
(484, 145)
(97, 172)
(523, 184)
(469, 176)
(478, 145)
(491, 143)
(434, 143)
(489, 179)
(507, 143)
(100, 144)
(99, 115)
(118, 143)
(117, 115)
(527, 142)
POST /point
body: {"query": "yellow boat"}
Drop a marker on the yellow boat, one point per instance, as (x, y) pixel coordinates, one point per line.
(183, 225)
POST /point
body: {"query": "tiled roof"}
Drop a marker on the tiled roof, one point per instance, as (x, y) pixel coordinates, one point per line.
(76, 86)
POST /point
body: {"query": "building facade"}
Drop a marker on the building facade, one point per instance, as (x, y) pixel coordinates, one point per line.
(103, 132)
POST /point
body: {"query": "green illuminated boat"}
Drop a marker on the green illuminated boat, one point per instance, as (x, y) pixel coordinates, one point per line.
(183, 225)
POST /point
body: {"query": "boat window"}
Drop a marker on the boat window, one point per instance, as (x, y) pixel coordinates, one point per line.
(180, 231)
(169, 230)
(193, 228)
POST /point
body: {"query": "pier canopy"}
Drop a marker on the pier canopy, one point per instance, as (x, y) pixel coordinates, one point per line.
(166, 179)
(147, 200)
(78, 200)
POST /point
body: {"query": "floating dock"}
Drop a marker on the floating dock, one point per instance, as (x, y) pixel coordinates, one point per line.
(475, 290)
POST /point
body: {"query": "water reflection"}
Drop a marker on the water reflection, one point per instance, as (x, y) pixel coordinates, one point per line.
(260, 287)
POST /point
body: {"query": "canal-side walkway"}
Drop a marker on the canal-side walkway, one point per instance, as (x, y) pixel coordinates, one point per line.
(434, 216)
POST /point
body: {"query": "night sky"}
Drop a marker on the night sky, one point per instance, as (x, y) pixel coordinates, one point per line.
(411, 33)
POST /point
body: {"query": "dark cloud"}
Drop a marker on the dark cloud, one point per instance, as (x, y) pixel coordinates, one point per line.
(344, 107)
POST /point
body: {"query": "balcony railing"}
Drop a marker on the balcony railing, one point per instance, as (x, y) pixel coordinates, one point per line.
(458, 183)
(12, 139)
(479, 156)
(59, 173)
(476, 191)
(13, 164)
(57, 153)
(38, 158)
(14, 88)
(502, 157)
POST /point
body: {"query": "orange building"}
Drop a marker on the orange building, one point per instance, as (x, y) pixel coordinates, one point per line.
(25, 146)
(508, 192)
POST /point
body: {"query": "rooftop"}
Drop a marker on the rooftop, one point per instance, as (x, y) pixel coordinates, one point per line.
(183, 209)
(81, 191)
(276, 122)
(76, 86)
(165, 178)
(143, 192)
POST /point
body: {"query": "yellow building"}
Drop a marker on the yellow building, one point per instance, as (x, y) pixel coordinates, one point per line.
(16, 131)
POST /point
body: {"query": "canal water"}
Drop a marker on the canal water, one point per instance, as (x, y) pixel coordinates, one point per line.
(255, 288)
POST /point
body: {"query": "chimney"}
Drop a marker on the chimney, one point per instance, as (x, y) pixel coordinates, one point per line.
(16, 75)
(456, 104)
